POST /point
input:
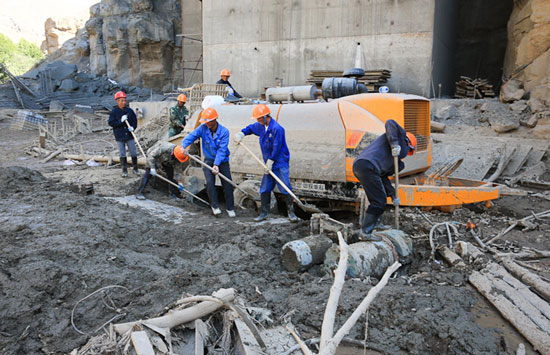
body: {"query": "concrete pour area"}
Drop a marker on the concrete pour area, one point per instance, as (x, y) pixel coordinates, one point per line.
(58, 246)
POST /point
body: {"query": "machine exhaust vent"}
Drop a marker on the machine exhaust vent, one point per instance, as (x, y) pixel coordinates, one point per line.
(417, 121)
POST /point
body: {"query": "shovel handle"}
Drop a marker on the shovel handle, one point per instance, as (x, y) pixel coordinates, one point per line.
(136, 140)
(273, 175)
(396, 208)
(187, 192)
(222, 176)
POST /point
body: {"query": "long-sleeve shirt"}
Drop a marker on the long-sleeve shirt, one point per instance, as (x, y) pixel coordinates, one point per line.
(214, 145)
(120, 129)
(272, 142)
(178, 117)
(235, 93)
(161, 154)
(378, 153)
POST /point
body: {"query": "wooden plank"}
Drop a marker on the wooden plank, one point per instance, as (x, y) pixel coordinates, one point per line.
(528, 277)
(142, 344)
(539, 339)
(518, 160)
(536, 155)
(246, 344)
(530, 296)
(201, 334)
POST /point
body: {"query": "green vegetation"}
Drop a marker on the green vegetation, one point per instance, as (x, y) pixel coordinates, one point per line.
(18, 58)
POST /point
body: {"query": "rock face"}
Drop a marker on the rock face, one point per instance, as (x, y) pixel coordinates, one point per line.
(59, 30)
(528, 53)
(134, 41)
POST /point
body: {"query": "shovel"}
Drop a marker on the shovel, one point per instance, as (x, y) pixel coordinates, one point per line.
(396, 208)
(199, 160)
(305, 207)
(162, 177)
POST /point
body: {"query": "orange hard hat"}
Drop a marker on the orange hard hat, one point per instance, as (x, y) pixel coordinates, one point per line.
(260, 111)
(182, 98)
(225, 72)
(412, 142)
(179, 154)
(208, 115)
(119, 94)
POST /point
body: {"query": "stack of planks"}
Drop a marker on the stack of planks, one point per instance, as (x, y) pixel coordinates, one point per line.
(473, 88)
(373, 79)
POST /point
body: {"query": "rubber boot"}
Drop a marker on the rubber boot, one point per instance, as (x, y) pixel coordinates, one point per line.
(290, 209)
(135, 166)
(144, 181)
(124, 164)
(380, 226)
(368, 226)
(266, 204)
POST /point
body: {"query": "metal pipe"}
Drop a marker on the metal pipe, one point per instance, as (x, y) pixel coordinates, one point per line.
(291, 93)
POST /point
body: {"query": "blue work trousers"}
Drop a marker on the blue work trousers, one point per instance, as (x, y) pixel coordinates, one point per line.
(372, 184)
(211, 185)
(131, 148)
(268, 182)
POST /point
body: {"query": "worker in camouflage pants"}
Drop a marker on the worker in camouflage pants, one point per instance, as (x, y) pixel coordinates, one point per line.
(178, 116)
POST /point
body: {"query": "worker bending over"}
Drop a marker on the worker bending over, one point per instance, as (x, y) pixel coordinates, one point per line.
(170, 158)
(215, 141)
(373, 166)
(225, 74)
(276, 157)
(178, 116)
(123, 133)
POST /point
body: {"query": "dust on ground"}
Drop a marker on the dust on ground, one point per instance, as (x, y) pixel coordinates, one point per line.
(58, 246)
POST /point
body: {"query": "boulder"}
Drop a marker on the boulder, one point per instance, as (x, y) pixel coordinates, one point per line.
(536, 105)
(445, 112)
(511, 91)
(68, 85)
(519, 106)
(542, 130)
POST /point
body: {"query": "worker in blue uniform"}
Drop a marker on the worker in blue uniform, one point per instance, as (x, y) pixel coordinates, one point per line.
(372, 168)
(276, 157)
(215, 141)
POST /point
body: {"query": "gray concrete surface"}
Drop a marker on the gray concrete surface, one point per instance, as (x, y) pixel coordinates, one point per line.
(261, 40)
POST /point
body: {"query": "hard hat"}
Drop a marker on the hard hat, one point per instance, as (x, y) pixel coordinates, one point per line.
(412, 142)
(182, 98)
(208, 115)
(260, 111)
(178, 153)
(225, 72)
(119, 94)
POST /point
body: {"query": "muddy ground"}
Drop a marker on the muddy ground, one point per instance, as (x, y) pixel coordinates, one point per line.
(58, 246)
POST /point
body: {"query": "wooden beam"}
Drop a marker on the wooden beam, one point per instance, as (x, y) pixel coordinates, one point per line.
(142, 344)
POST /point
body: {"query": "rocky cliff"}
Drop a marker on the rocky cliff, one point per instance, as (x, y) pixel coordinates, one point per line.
(528, 53)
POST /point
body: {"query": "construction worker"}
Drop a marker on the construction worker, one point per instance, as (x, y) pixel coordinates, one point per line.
(225, 74)
(372, 168)
(123, 134)
(215, 141)
(178, 116)
(276, 157)
(170, 158)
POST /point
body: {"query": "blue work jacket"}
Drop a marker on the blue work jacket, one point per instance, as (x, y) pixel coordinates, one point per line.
(378, 153)
(120, 129)
(214, 146)
(272, 142)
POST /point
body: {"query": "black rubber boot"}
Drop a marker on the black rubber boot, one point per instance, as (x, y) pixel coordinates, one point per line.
(135, 166)
(144, 181)
(266, 204)
(368, 226)
(124, 165)
(290, 209)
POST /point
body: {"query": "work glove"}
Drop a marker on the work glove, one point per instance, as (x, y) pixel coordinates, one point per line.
(123, 118)
(238, 137)
(395, 150)
(180, 187)
(269, 165)
(131, 129)
(154, 172)
(396, 201)
(215, 170)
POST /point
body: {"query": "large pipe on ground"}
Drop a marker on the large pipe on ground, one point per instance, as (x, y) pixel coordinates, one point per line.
(291, 93)
(301, 254)
(334, 88)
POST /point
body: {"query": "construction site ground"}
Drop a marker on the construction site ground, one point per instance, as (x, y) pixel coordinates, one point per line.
(58, 246)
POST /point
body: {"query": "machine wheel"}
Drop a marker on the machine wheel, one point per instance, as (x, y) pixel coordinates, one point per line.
(253, 188)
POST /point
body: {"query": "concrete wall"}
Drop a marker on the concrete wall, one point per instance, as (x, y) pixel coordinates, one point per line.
(259, 40)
